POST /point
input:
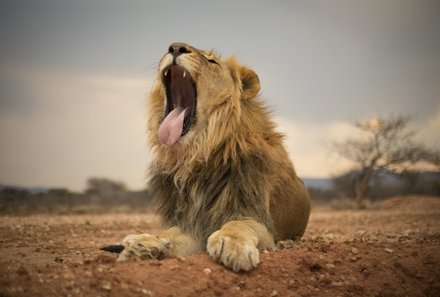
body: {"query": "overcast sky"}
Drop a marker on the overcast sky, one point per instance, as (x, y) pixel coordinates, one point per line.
(74, 76)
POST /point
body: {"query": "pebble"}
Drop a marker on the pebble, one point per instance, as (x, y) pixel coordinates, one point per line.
(87, 261)
(106, 286)
(69, 285)
(388, 250)
(207, 271)
(325, 278)
(354, 251)
(69, 276)
(331, 268)
(155, 263)
(360, 232)
(274, 293)
(365, 272)
(147, 292)
(181, 259)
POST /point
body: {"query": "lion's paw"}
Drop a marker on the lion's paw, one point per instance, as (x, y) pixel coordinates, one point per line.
(235, 252)
(145, 246)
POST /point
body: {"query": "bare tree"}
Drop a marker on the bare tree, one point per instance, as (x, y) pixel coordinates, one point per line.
(433, 157)
(383, 144)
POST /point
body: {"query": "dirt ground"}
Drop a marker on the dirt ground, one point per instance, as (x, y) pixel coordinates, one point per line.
(392, 250)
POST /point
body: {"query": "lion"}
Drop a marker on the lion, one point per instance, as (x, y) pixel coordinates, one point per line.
(221, 179)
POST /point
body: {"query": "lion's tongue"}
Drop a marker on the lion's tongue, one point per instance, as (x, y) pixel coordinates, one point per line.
(172, 126)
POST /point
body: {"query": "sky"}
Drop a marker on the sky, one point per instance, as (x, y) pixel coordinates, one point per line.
(75, 75)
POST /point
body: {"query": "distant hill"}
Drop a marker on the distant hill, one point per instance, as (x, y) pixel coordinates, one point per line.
(32, 190)
(318, 183)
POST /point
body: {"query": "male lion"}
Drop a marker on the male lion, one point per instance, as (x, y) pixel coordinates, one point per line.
(221, 178)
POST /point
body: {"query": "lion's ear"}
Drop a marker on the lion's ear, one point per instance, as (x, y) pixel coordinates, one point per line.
(250, 83)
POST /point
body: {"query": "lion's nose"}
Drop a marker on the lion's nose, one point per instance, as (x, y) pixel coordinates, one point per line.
(176, 49)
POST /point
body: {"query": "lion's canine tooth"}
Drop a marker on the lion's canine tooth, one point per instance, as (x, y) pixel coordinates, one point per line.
(166, 72)
(184, 73)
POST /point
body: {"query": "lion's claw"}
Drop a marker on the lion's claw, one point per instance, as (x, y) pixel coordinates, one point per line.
(145, 246)
(235, 253)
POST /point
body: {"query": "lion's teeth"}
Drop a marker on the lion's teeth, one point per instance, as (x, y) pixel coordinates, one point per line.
(166, 72)
(184, 73)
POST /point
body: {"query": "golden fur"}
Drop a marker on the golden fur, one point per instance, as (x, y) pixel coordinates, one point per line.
(227, 186)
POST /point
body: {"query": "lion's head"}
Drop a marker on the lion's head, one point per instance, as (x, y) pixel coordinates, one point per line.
(197, 98)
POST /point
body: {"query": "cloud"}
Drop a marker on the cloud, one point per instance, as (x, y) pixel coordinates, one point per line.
(309, 146)
(428, 130)
(82, 126)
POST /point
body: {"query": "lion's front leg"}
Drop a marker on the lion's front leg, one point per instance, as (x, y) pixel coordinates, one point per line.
(237, 243)
(167, 243)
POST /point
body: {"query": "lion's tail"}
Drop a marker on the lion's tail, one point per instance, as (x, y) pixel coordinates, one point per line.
(116, 248)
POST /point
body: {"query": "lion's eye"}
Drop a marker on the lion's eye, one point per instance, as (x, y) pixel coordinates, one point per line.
(213, 61)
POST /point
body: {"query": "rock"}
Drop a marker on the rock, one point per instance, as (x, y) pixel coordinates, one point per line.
(207, 271)
(388, 250)
(331, 268)
(69, 285)
(274, 293)
(360, 232)
(408, 232)
(285, 244)
(365, 272)
(353, 259)
(87, 261)
(354, 251)
(155, 263)
(106, 286)
(325, 278)
(181, 259)
(68, 276)
(146, 292)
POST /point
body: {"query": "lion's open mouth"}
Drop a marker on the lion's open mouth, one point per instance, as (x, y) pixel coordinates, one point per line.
(180, 106)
